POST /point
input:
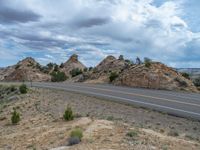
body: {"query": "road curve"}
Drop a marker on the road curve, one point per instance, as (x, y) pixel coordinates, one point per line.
(175, 103)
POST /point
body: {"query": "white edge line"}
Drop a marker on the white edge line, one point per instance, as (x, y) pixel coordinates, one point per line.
(105, 95)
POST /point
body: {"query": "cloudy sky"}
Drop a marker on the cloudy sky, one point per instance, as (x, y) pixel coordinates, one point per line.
(52, 30)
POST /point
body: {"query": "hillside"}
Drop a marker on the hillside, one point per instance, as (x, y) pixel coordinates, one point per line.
(30, 70)
(25, 70)
(154, 76)
(157, 76)
(106, 125)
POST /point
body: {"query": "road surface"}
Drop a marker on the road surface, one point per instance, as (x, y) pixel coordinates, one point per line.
(175, 103)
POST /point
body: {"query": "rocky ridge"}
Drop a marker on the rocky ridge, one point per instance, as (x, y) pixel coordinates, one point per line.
(154, 76)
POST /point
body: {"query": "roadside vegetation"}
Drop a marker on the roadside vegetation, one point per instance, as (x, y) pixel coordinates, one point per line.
(91, 123)
(15, 117)
(76, 72)
(23, 89)
(186, 75)
(113, 76)
(68, 114)
(58, 76)
(75, 136)
(147, 62)
(197, 82)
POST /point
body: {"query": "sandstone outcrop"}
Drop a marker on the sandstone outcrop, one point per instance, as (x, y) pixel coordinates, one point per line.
(157, 76)
(25, 70)
(72, 63)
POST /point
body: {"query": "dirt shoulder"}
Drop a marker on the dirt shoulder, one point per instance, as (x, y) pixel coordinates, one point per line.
(105, 124)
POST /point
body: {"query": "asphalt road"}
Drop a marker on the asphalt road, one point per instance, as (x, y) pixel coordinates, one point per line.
(175, 103)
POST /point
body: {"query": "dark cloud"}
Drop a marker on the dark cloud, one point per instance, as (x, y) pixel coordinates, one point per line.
(11, 15)
(86, 23)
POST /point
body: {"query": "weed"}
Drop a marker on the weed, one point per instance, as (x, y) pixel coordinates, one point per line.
(68, 115)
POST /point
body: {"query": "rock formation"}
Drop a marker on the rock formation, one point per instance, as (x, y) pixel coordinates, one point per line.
(157, 76)
(72, 63)
(25, 70)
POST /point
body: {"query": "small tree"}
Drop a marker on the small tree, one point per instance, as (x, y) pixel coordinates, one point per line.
(121, 57)
(23, 89)
(90, 68)
(58, 76)
(85, 69)
(186, 75)
(113, 76)
(15, 117)
(50, 65)
(75, 72)
(56, 68)
(138, 61)
(68, 115)
(147, 62)
(197, 82)
(62, 65)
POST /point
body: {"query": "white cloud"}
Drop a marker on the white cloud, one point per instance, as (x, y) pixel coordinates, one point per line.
(96, 28)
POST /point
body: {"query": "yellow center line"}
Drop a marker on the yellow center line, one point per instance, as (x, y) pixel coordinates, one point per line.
(140, 95)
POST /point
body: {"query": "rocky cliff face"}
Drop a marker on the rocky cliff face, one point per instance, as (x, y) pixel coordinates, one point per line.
(27, 69)
(72, 63)
(100, 74)
(157, 76)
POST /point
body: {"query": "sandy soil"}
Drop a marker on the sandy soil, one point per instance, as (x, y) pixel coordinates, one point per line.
(105, 124)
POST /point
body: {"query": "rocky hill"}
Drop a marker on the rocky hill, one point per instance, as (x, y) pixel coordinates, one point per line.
(72, 63)
(27, 69)
(157, 76)
(154, 76)
(101, 73)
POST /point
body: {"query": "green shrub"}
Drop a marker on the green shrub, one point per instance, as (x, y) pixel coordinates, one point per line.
(50, 65)
(68, 115)
(58, 76)
(13, 88)
(76, 72)
(15, 117)
(17, 66)
(85, 69)
(181, 82)
(77, 133)
(110, 118)
(132, 134)
(147, 62)
(197, 82)
(23, 89)
(173, 133)
(90, 68)
(62, 65)
(113, 76)
(186, 75)
(121, 57)
(56, 68)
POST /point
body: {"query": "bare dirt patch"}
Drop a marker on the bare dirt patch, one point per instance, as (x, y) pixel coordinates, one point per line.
(105, 124)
